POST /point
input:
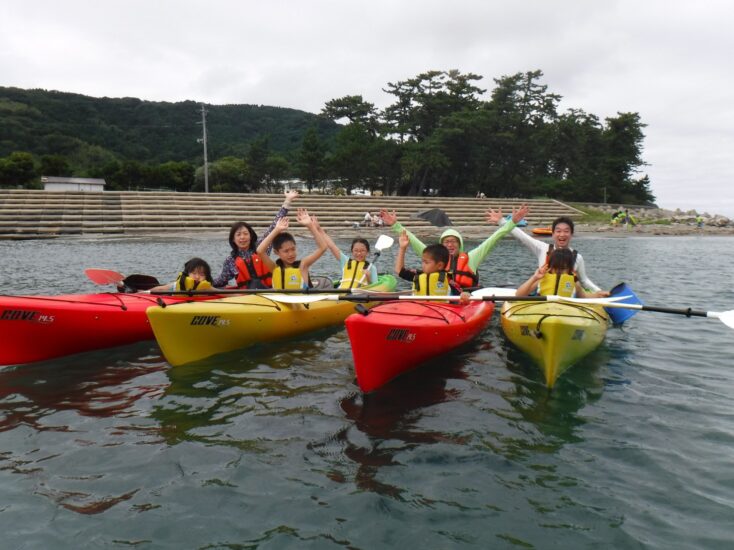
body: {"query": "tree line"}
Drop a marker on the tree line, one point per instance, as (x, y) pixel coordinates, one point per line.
(439, 136)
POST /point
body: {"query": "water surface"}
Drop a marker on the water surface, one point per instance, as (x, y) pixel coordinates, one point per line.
(275, 447)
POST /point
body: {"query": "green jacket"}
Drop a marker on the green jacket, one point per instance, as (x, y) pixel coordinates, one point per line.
(476, 255)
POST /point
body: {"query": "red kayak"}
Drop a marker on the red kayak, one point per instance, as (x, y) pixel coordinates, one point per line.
(35, 328)
(395, 337)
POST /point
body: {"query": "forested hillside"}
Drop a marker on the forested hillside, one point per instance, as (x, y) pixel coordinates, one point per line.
(442, 135)
(90, 133)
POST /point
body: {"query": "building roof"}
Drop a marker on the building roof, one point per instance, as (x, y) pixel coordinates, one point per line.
(79, 181)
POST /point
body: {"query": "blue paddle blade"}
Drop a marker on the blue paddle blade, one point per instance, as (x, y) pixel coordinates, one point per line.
(619, 315)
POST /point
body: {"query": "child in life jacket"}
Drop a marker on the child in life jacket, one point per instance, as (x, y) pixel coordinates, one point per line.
(289, 273)
(556, 277)
(244, 265)
(355, 269)
(196, 275)
(433, 279)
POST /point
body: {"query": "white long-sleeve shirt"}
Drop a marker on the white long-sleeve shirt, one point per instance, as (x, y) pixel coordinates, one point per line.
(540, 249)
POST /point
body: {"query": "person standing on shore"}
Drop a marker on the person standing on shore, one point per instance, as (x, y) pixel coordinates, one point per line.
(562, 234)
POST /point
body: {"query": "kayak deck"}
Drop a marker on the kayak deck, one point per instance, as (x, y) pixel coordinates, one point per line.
(37, 328)
(556, 335)
(191, 332)
(396, 337)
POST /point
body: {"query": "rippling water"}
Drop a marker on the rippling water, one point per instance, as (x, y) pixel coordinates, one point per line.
(275, 447)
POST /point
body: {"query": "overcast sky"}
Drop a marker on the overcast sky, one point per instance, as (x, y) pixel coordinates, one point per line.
(670, 61)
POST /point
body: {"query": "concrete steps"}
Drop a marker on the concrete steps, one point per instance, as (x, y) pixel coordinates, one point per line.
(29, 214)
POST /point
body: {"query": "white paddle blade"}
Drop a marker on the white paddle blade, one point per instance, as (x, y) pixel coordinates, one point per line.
(301, 298)
(609, 302)
(493, 291)
(726, 317)
(384, 242)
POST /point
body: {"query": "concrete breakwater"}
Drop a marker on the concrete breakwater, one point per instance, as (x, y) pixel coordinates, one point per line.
(29, 214)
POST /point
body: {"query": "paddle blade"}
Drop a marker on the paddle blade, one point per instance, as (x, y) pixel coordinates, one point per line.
(383, 243)
(104, 276)
(619, 315)
(493, 291)
(140, 282)
(301, 298)
(726, 317)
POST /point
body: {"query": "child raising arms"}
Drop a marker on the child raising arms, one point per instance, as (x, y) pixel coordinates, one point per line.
(432, 279)
(557, 277)
(355, 269)
(289, 273)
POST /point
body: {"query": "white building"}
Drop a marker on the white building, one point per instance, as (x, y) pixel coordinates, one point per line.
(51, 183)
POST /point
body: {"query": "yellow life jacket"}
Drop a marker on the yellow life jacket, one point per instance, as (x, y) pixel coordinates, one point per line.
(287, 278)
(353, 273)
(431, 284)
(558, 284)
(192, 284)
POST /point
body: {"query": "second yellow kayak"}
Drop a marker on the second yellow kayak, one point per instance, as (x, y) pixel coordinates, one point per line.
(556, 335)
(192, 331)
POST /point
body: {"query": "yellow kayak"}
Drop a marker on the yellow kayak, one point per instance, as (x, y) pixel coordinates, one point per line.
(556, 335)
(192, 331)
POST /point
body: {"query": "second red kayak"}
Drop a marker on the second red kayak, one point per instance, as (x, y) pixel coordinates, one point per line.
(395, 337)
(36, 328)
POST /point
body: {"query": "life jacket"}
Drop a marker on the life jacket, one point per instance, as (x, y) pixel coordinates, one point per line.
(287, 278)
(550, 249)
(558, 284)
(191, 284)
(432, 284)
(252, 273)
(353, 273)
(461, 272)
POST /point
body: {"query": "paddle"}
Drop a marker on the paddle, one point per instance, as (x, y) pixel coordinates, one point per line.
(726, 317)
(368, 296)
(104, 276)
(628, 301)
(132, 282)
(383, 243)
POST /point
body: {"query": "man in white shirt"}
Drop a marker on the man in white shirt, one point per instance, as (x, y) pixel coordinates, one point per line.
(562, 235)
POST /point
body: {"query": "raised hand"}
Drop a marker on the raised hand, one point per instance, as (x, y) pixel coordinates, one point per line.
(389, 218)
(540, 272)
(520, 213)
(291, 195)
(282, 224)
(493, 217)
(404, 240)
(304, 218)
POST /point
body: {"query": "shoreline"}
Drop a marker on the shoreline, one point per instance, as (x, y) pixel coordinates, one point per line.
(581, 229)
(472, 232)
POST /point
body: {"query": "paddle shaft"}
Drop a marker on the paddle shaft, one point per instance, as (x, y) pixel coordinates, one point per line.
(250, 291)
(688, 312)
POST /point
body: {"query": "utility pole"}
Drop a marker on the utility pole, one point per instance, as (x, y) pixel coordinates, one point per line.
(203, 140)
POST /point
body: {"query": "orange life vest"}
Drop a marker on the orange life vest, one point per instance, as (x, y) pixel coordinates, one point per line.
(252, 273)
(460, 271)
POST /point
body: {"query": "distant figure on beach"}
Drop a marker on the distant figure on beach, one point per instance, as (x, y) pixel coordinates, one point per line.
(481, 195)
(699, 221)
(367, 220)
(628, 219)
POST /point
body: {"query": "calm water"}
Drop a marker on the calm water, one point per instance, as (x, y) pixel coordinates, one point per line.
(274, 447)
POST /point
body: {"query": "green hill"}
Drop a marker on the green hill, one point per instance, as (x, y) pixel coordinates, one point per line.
(91, 131)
